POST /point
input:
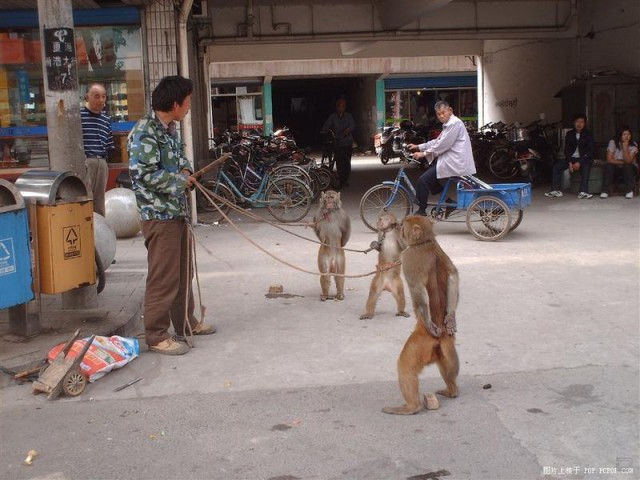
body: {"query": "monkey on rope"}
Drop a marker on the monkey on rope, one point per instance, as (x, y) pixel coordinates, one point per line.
(333, 228)
(390, 247)
(433, 283)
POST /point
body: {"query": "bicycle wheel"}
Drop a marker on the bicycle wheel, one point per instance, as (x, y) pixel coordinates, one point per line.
(324, 178)
(288, 199)
(502, 164)
(380, 199)
(316, 182)
(488, 218)
(208, 213)
(295, 171)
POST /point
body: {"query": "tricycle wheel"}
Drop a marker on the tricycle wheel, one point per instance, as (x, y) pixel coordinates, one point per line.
(517, 221)
(74, 382)
(488, 218)
(380, 199)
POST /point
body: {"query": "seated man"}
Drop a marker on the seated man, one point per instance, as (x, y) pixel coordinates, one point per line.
(453, 151)
(579, 148)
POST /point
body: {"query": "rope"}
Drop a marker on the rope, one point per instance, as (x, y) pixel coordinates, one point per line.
(277, 225)
(284, 262)
(192, 268)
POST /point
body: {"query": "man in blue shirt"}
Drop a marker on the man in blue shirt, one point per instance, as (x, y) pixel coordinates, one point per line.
(342, 125)
(98, 143)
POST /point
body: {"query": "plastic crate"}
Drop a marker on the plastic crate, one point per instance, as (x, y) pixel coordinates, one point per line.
(515, 195)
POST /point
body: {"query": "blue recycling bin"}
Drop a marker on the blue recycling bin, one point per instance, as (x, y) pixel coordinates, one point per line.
(15, 253)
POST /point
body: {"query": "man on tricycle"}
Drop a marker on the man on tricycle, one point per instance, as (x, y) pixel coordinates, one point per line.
(451, 151)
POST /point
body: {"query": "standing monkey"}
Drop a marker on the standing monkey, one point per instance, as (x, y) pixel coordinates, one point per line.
(433, 282)
(333, 228)
(390, 247)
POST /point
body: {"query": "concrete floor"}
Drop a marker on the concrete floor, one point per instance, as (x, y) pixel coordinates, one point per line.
(291, 388)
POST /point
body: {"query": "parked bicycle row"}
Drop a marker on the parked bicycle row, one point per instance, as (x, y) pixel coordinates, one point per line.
(264, 171)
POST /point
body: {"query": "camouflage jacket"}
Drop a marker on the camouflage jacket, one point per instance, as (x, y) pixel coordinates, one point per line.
(156, 158)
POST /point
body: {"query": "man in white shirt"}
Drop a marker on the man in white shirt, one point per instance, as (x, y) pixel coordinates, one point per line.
(452, 149)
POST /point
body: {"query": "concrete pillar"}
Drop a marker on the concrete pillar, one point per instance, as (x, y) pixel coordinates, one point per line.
(62, 101)
(267, 113)
(380, 104)
(480, 91)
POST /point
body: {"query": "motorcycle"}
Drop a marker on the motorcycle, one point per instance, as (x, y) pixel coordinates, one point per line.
(388, 142)
(529, 152)
(515, 157)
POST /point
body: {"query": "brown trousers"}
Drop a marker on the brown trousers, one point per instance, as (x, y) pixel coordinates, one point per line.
(97, 176)
(169, 278)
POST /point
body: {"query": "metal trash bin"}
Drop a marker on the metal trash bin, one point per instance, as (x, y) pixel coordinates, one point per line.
(15, 251)
(65, 250)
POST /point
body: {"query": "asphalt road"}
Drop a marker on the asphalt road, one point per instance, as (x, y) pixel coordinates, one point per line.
(291, 388)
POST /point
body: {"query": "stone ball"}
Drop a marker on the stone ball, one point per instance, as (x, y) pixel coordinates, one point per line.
(121, 212)
(105, 240)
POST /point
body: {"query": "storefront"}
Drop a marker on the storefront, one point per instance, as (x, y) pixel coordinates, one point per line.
(237, 107)
(412, 98)
(109, 50)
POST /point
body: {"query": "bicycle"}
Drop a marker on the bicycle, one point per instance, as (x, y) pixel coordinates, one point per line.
(487, 208)
(287, 199)
(328, 150)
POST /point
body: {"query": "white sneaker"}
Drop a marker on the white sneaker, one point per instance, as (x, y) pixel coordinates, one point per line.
(604, 195)
(629, 195)
(553, 193)
(584, 195)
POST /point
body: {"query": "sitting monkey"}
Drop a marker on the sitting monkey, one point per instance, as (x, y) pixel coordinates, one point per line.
(333, 228)
(390, 247)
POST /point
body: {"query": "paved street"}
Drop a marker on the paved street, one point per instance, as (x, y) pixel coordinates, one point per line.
(291, 388)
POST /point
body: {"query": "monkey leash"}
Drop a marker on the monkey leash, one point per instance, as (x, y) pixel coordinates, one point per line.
(205, 192)
(210, 196)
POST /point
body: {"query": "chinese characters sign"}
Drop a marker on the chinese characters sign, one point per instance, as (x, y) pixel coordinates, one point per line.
(60, 59)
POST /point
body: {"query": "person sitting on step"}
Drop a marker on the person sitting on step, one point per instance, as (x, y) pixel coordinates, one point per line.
(622, 153)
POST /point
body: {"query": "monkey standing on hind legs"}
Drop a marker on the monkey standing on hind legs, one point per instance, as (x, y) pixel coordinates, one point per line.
(390, 247)
(433, 283)
(333, 228)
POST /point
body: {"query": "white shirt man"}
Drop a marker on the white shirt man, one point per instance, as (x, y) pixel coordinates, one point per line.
(453, 151)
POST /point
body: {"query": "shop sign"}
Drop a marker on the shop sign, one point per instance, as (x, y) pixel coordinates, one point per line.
(60, 59)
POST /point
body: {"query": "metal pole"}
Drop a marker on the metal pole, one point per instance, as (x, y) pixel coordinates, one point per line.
(62, 101)
(183, 66)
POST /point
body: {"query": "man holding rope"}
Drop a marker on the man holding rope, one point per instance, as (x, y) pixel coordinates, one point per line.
(161, 177)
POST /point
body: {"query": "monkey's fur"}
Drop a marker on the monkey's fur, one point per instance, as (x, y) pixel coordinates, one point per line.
(433, 283)
(390, 247)
(333, 228)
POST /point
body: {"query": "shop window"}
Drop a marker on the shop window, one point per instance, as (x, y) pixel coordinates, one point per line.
(237, 108)
(417, 105)
(111, 55)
